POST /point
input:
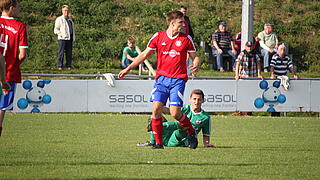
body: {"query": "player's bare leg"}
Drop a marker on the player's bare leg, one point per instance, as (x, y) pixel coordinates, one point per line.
(157, 123)
(2, 113)
(185, 123)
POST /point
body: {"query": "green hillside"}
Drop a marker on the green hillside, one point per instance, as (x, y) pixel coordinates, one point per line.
(102, 27)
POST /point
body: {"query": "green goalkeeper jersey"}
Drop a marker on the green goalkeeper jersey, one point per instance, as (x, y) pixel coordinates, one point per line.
(173, 136)
(200, 121)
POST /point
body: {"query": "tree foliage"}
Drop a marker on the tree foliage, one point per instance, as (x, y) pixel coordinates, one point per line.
(102, 27)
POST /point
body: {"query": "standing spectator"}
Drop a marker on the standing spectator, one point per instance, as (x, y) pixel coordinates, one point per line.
(14, 44)
(172, 48)
(129, 53)
(188, 28)
(248, 65)
(64, 28)
(281, 63)
(268, 43)
(223, 44)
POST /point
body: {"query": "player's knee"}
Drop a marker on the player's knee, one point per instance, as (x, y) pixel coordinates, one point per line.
(176, 115)
(156, 113)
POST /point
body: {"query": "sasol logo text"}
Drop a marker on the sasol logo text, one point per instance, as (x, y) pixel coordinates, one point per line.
(129, 98)
(223, 98)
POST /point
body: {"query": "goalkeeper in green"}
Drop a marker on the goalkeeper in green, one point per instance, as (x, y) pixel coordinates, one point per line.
(176, 135)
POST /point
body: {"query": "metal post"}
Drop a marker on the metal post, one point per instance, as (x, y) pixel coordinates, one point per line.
(247, 22)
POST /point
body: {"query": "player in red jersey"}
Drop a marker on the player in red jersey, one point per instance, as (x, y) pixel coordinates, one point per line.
(172, 48)
(13, 46)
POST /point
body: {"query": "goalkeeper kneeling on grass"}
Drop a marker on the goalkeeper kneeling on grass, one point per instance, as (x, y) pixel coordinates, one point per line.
(176, 135)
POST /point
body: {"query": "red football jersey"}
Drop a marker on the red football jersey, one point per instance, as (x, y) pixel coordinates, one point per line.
(171, 54)
(13, 35)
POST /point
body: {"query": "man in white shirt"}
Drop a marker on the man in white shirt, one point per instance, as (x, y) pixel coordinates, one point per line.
(64, 28)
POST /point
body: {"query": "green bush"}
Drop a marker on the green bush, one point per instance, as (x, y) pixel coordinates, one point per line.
(102, 27)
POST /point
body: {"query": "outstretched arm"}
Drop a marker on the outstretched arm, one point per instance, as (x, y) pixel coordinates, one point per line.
(139, 59)
(22, 54)
(5, 86)
(195, 66)
(128, 56)
(206, 141)
(259, 70)
(236, 77)
(273, 76)
(295, 76)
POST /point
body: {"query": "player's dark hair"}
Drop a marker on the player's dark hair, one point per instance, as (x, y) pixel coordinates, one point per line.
(184, 7)
(198, 92)
(6, 4)
(172, 15)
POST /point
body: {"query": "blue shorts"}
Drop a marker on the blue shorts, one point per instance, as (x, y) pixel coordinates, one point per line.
(172, 88)
(6, 102)
(126, 63)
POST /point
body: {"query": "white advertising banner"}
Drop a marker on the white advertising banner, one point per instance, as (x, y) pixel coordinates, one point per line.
(220, 95)
(133, 96)
(126, 96)
(315, 96)
(64, 96)
(257, 95)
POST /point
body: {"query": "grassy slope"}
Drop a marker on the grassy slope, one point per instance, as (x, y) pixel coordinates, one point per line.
(102, 146)
(103, 27)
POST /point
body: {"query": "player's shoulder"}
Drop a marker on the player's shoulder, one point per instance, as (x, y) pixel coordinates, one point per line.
(206, 115)
(22, 23)
(186, 107)
(184, 35)
(189, 37)
(161, 33)
(18, 23)
(156, 35)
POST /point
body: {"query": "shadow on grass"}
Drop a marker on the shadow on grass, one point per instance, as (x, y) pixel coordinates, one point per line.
(222, 178)
(124, 164)
(162, 164)
(267, 148)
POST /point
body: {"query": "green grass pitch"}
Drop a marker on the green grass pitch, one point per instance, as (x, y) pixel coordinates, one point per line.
(103, 146)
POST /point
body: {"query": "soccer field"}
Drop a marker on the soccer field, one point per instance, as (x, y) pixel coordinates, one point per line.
(103, 146)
